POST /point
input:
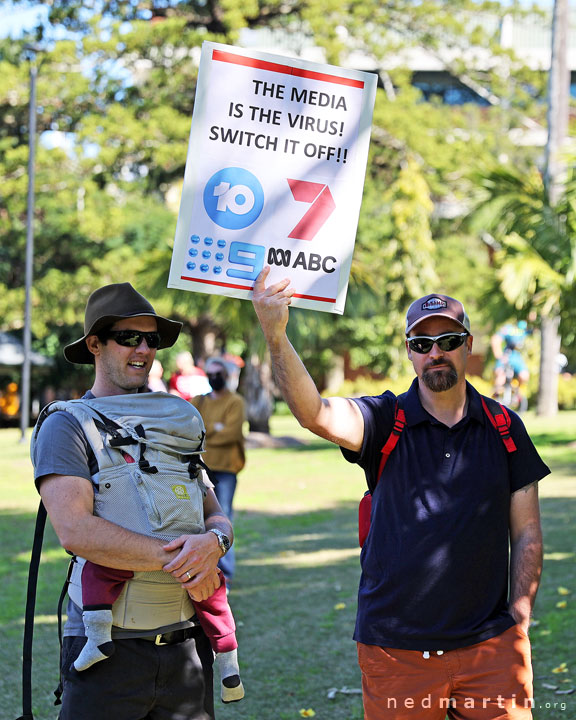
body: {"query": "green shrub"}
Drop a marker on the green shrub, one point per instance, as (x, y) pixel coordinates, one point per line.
(365, 385)
(567, 392)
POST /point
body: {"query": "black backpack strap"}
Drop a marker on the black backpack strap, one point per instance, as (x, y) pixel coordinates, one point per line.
(118, 440)
(500, 419)
(194, 462)
(105, 424)
(29, 617)
(59, 690)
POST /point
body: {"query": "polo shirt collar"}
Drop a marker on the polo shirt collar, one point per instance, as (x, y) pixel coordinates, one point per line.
(416, 414)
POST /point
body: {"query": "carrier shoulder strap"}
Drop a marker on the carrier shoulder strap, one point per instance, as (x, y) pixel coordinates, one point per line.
(390, 444)
(29, 616)
(500, 419)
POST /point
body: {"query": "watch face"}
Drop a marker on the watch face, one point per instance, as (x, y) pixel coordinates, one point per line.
(223, 540)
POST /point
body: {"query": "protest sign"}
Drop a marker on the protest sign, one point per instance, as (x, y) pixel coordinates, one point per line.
(274, 175)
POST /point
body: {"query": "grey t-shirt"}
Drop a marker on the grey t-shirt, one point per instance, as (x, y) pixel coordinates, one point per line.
(61, 448)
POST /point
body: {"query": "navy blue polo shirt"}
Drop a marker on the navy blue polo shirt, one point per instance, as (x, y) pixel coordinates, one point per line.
(435, 563)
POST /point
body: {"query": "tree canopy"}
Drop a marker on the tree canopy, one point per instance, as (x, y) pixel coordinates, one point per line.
(116, 88)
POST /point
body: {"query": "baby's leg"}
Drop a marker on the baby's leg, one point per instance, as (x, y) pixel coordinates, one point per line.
(101, 587)
(217, 621)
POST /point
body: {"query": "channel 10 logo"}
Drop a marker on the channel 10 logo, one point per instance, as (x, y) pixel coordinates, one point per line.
(233, 198)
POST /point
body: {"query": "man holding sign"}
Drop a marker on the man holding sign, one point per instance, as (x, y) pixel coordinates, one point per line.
(437, 632)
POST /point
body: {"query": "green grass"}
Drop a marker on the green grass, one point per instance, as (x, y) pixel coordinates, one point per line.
(294, 596)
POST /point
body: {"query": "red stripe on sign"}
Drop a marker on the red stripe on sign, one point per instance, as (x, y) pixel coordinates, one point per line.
(315, 297)
(246, 287)
(222, 56)
(213, 282)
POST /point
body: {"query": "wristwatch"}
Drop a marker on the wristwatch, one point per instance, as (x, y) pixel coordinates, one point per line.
(223, 540)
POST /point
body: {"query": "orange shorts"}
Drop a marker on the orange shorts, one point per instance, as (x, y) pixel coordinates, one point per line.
(486, 681)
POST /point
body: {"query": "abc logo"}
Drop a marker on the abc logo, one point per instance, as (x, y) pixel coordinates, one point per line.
(233, 198)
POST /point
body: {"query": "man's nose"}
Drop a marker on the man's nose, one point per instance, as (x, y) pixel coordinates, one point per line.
(435, 351)
(143, 347)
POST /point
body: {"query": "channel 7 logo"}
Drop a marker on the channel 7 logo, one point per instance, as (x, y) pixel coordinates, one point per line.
(234, 200)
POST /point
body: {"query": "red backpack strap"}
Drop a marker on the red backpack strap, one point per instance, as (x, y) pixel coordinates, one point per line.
(390, 444)
(500, 418)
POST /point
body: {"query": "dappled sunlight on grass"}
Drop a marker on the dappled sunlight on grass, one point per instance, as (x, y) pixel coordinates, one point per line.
(559, 556)
(40, 620)
(318, 558)
(49, 555)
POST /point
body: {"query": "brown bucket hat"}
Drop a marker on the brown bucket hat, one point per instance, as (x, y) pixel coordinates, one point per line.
(111, 303)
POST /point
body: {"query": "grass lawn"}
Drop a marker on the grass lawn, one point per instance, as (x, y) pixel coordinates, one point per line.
(294, 596)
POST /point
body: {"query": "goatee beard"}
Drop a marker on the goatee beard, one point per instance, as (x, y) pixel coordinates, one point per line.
(440, 380)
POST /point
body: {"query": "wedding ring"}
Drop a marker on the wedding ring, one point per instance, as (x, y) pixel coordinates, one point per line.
(189, 576)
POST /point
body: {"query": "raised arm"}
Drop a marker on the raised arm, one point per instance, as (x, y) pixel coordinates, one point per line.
(336, 419)
(526, 553)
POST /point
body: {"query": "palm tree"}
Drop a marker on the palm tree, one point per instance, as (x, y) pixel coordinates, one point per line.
(537, 257)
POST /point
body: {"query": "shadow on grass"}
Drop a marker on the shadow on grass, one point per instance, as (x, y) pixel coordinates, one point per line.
(305, 446)
(554, 634)
(543, 439)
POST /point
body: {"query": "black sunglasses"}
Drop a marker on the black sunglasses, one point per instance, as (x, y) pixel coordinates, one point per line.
(422, 344)
(132, 338)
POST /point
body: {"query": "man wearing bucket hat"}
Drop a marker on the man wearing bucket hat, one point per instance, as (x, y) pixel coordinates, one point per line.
(170, 677)
(443, 607)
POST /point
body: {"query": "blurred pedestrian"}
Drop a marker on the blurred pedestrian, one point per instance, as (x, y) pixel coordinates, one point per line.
(188, 380)
(223, 413)
(155, 382)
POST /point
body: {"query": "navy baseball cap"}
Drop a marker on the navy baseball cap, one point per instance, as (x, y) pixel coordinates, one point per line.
(436, 306)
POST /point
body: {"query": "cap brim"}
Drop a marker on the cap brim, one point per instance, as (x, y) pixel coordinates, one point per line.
(78, 353)
(411, 327)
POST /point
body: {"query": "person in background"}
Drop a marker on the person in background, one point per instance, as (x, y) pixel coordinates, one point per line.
(155, 382)
(507, 344)
(188, 380)
(223, 413)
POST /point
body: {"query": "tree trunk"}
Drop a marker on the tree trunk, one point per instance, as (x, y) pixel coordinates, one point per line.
(549, 351)
(558, 94)
(202, 331)
(558, 102)
(257, 389)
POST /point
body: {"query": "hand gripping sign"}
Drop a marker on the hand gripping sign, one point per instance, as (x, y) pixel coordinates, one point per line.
(274, 175)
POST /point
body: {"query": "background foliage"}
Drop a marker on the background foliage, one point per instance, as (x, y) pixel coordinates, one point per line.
(116, 91)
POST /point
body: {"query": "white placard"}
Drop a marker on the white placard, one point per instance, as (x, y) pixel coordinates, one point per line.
(274, 175)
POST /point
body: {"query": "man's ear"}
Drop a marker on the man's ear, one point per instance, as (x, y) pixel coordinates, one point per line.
(93, 344)
(469, 341)
(408, 351)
